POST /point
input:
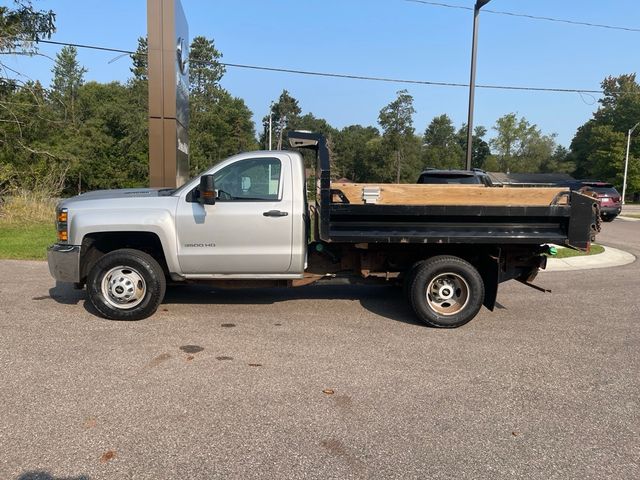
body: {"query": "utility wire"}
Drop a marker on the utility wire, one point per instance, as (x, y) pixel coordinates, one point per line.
(531, 17)
(350, 76)
(414, 82)
(92, 47)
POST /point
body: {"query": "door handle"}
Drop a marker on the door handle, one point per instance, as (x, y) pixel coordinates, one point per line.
(275, 213)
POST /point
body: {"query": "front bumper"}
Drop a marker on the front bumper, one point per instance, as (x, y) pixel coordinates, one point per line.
(64, 262)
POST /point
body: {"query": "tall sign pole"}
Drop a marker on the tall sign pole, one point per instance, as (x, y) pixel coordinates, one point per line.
(168, 54)
(472, 81)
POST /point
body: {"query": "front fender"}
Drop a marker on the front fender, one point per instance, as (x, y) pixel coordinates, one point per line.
(159, 221)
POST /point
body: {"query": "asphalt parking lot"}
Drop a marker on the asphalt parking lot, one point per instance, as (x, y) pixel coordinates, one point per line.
(324, 382)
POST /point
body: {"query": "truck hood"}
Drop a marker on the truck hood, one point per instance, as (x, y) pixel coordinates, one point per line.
(118, 194)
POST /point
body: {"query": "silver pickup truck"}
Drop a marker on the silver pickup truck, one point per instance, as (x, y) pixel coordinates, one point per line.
(247, 222)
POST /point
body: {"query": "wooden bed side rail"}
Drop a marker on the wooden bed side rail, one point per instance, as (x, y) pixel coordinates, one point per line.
(416, 194)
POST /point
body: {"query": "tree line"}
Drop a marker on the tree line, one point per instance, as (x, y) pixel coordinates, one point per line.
(76, 135)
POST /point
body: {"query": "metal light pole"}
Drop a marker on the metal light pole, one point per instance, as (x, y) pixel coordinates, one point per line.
(626, 162)
(472, 81)
(270, 115)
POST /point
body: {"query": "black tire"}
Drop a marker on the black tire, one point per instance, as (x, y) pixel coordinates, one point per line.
(409, 275)
(608, 218)
(446, 291)
(126, 284)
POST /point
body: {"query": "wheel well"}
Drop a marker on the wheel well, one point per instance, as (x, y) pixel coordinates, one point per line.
(95, 245)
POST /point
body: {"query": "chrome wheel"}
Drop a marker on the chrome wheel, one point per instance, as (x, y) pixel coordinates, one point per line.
(123, 287)
(447, 294)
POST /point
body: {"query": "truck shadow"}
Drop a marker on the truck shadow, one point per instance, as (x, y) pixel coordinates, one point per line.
(41, 475)
(65, 294)
(385, 301)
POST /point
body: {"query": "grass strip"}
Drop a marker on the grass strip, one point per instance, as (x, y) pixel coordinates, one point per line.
(570, 252)
(27, 241)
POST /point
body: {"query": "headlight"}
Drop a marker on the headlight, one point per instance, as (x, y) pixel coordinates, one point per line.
(62, 225)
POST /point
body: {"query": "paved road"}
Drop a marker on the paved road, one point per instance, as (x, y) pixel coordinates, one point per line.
(230, 384)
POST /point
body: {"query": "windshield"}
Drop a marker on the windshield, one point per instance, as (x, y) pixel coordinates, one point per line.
(612, 192)
(448, 179)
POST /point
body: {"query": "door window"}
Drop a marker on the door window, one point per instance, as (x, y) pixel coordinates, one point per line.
(255, 179)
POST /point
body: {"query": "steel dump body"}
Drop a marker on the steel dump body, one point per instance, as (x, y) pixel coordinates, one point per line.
(560, 224)
(342, 221)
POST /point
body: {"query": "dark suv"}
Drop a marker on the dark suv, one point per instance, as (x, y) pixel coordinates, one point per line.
(608, 196)
(444, 177)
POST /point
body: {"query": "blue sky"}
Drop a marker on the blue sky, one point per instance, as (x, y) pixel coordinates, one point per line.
(388, 38)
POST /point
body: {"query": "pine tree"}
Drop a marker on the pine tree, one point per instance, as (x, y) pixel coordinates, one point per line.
(396, 119)
(68, 77)
(205, 70)
(140, 69)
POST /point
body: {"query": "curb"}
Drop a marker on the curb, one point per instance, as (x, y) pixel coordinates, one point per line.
(611, 257)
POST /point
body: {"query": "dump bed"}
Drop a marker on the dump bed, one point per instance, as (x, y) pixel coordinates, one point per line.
(384, 213)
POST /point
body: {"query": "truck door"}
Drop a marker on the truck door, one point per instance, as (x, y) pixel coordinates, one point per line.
(249, 230)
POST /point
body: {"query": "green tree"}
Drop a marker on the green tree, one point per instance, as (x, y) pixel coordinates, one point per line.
(441, 148)
(480, 149)
(606, 153)
(25, 141)
(26, 116)
(205, 69)
(354, 152)
(108, 147)
(22, 26)
(221, 128)
(396, 120)
(140, 67)
(68, 77)
(310, 122)
(559, 162)
(220, 125)
(520, 146)
(106, 143)
(619, 110)
(620, 104)
(284, 112)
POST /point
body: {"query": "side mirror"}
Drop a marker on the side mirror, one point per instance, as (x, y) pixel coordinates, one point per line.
(207, 190)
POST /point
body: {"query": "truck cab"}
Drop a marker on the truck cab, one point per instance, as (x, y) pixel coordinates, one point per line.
(255, 225)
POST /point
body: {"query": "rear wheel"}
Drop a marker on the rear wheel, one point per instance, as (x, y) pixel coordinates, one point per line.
(446, 291)
(408, 281)
(126, 284)
(608, 218)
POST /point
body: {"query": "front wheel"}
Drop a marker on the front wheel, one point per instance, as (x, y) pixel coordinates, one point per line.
(126, 284)
(446, 291)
